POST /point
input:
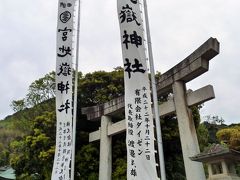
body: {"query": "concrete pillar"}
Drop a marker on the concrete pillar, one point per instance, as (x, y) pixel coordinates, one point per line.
(210, 173)
(224, 167)
(188, 135)
(105, 164)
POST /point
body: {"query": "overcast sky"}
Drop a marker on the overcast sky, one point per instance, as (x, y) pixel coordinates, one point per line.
(28, 44)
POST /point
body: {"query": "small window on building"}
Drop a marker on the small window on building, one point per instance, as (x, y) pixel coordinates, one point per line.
(217, 168)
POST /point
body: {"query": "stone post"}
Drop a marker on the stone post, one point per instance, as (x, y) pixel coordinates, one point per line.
(105, 164)
(188, 135)
(224, 167)
(210, 173)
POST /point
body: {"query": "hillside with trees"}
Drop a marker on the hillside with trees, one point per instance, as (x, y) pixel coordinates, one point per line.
(27, 138)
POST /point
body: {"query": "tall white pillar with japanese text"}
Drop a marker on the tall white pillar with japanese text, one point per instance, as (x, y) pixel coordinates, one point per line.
(141, 164)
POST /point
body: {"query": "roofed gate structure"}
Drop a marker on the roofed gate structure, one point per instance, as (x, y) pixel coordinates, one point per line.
(173, 81)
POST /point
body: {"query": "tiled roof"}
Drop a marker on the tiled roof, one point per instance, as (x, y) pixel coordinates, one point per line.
(7, 173)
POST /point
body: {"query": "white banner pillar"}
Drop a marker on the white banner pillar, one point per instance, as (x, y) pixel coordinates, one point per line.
(63, 150)
(141, 163)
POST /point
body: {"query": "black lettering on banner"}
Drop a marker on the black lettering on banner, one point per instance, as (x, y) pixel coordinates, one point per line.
(134, 1)
(139, 133)
(134, 39)
(64, 5)
(137, 92)
(147, 132)
(130, 106)
(136, 67)
(130, 132)
(145, 102)
(63, 87)
(144, 88)
(64, 51)
(130, 118)
(133, 172)
(131, 143)
(64, 33)
(147, 126)
(140, 152)
(138, 100)
(147, 143)
(139, 124)
(65, 16)
(64, 69)
(130, 125)
(64, 106)
(138, 117)
(132, 162)
(139, 142)
(145, 95)
(128, 67)
(138, 109)
(132, 153)
(128, 15)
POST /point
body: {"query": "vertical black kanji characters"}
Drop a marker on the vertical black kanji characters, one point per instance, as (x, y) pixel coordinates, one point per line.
(64, 33)
(65, 106)
(136, 67)
(131, 143)
(137, 92)
(63, 87)
(64, 69)
(133, 172)
(134, 39)
(64, 51)
(128, 15)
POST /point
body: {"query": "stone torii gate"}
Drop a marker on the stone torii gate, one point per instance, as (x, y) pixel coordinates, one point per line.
(174, 80)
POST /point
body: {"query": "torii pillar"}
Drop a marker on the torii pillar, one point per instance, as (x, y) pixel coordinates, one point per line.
(187, 131)
(105, 167)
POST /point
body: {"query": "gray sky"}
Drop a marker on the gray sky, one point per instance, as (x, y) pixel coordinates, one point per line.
(28, 44)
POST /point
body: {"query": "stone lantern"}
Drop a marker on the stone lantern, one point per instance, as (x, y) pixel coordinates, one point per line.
(221, 162)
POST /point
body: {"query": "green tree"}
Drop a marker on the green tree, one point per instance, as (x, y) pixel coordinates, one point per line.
(18, 105)
(100, 86)
(119, 157)
(87, 162)
(41, 90)
(203, 136)
(6, 136)
(214, 119)
(230, 136)
(4, 155)
(33, 155)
